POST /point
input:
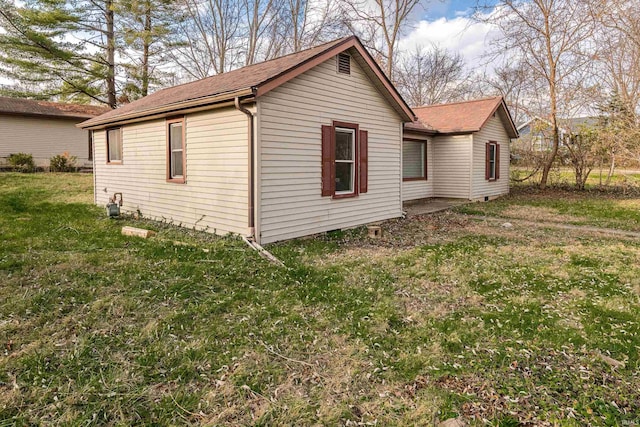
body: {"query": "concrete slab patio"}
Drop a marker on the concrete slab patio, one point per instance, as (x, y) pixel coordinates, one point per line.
(432, 205)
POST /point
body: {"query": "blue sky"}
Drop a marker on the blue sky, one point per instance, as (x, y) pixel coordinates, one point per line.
(448, 24)
(448, 9)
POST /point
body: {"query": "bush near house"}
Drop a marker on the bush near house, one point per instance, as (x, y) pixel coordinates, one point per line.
(22, 162)
(444, 316)
(63, 163)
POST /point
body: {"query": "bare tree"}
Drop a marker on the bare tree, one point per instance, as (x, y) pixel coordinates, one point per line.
(619, 75)
(552, 39)
(261, 16)
(206, 40)
(511, 81)
(431, 76)
(380, 24)
(307, 23)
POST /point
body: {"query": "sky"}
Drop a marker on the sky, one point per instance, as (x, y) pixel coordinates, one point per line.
(448, 24)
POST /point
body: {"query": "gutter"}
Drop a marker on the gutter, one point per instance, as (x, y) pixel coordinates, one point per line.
(202, 103)
(250, 142)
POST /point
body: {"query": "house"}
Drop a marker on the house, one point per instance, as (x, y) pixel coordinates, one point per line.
(302, 144)
(536, 134)
(45, 129)
(458, 150)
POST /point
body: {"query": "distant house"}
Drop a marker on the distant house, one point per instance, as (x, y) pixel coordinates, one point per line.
(465, 147)
(306, 143)
(536, 134)
(45, 129)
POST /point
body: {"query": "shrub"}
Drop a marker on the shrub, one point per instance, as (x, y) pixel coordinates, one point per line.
(63, 163)
(22, 162)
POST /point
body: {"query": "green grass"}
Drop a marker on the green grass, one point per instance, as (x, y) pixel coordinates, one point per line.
(606, 209)
(443, 317)
(565, 176)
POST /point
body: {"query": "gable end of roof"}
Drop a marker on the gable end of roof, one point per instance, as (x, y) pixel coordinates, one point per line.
(248, 82)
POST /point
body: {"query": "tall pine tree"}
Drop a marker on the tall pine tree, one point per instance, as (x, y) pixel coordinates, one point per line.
(99, 51)
(56, 49)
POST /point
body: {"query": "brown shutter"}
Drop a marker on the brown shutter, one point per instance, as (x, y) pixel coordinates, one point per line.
(487, 162)
(497, 161)
(364, 160)
(328, 154)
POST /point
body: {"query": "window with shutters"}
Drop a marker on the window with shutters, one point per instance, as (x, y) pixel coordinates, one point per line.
(344, 63)
(492, 165)
(414, 160)
(176, 150)
(114, 146)
(344, 160)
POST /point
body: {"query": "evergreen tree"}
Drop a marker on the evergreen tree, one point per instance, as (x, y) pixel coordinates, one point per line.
(57, 49)
(145, 26)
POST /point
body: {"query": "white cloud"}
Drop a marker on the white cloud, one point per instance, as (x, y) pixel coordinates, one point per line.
(458, 35)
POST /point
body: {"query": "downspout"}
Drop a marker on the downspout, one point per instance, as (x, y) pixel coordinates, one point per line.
(250, 138)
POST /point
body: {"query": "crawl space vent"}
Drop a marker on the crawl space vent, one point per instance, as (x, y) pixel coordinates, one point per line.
(344, 63)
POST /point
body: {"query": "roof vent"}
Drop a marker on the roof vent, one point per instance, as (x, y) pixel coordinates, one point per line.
(344, 63)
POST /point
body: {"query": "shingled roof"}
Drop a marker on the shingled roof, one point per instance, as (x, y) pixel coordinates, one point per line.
(30, 107)
(248, 82)
(466, 116)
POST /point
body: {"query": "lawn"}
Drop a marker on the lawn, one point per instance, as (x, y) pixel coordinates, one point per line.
(565, 176)
(600, 208)
(443, 317)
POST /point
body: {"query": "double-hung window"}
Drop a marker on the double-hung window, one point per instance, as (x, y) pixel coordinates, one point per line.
(176, 151)
(345, 160)
(114, 145)
(492, 163)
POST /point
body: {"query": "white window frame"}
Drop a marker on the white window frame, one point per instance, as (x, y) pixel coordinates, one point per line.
(423, 162)
(493, 160)
(352, 132)
(117, 131)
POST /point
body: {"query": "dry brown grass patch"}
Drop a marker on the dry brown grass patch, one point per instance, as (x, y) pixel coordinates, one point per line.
(539, 214)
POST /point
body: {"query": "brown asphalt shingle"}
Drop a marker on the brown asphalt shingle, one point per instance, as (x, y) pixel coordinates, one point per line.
(30, 107)
(229, 82)
(466, 116)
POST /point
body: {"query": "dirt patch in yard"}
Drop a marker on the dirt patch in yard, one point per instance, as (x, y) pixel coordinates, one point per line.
(539, 214)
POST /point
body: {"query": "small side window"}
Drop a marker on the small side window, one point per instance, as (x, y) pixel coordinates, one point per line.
(176, 151)
(114, 145)
(492, 165)
(90, 145)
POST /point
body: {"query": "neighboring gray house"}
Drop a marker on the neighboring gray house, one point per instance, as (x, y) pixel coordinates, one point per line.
(302, 144)
(536, 134)
(45, 129)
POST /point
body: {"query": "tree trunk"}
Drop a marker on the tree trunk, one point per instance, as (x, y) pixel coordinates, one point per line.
(554, 106)
(144, 90)
(111, 53)
(390, 49)
(612, 167)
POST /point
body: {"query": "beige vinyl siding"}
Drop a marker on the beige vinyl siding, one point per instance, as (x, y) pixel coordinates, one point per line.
(43, 138)
(492, 131)
(452, 166)
(413, 190)
(291, 117)
(214, 197)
